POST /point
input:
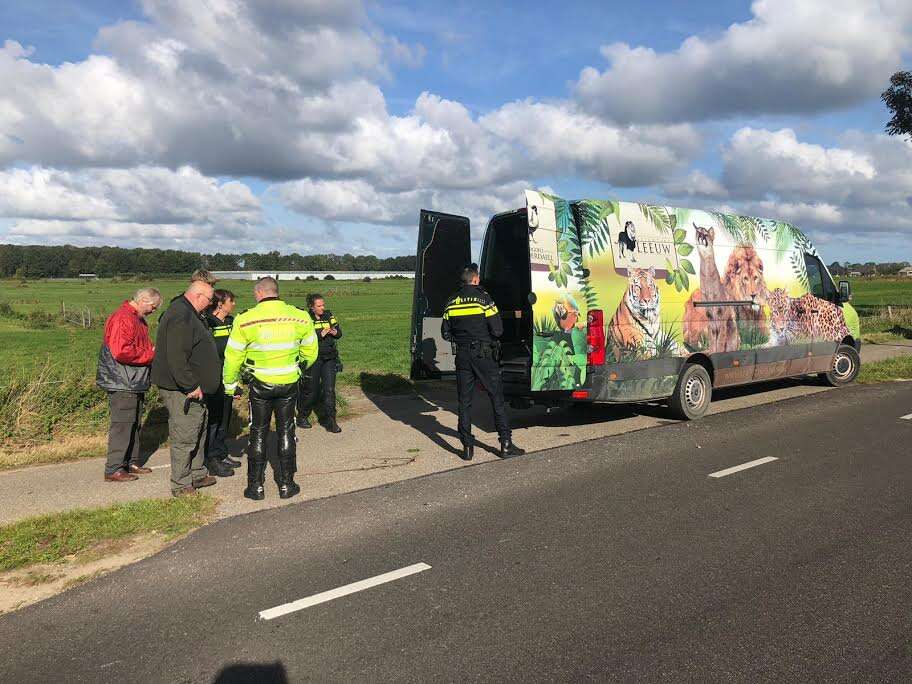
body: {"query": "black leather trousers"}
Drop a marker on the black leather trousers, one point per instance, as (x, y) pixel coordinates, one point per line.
(264, 400)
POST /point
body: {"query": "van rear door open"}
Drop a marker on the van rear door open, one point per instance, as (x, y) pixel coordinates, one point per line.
(444, 247)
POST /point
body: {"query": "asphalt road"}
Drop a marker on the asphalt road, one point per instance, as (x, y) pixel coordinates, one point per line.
(614, 559)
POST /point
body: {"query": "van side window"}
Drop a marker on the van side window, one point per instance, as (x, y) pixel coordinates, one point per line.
(819, 281)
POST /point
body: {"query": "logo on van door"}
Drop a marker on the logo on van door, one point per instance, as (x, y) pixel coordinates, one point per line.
(638, 241)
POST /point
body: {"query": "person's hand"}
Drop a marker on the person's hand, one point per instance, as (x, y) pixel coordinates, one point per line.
(324, 332)
(333, 331)
(195, 394)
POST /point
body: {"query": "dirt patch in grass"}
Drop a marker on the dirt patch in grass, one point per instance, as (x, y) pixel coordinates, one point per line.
(23, 587)
(63, 449)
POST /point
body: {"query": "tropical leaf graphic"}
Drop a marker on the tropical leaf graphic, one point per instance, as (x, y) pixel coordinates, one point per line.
(742, 229)
(798, 268)
(593, 224)
(659, 215)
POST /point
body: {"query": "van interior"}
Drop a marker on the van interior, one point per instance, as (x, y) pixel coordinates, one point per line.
(505, 275)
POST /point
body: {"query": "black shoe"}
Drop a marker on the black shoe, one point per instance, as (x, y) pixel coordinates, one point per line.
(468, 452)
(231, 462)
(302, 422)
(509, 450)
(332, 426)
(219, 469)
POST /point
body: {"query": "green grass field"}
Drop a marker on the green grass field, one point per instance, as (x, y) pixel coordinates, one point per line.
(375, 319)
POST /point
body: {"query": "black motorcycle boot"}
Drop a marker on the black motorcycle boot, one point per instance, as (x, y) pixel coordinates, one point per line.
(302, 422)
(256, 473)
(287, 486)
(332, 425)
(468, 451)
(509, 450)
(231, 462)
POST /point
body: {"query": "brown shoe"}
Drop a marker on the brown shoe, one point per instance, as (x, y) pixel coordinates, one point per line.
(206, 481)
(184, 491)
(120, 476)
(137, 469)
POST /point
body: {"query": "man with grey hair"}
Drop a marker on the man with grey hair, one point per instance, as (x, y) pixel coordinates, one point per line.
(202, 275)
(186, 367)
(123, 372)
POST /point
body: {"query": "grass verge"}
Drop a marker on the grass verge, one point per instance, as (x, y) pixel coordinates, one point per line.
(51, 538)
(898, 368)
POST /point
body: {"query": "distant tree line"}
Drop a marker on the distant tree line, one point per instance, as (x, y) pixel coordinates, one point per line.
(66, 261)
(867, 269)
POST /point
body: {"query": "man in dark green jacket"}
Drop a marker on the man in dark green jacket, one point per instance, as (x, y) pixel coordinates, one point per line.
(186, 367)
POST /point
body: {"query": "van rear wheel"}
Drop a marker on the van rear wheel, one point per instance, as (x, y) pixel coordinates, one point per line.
(692, 394)
(846, 364)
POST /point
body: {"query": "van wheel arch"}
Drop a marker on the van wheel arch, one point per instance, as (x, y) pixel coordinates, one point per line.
(703, 360)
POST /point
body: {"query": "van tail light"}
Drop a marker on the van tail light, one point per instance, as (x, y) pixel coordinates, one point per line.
(595, 338)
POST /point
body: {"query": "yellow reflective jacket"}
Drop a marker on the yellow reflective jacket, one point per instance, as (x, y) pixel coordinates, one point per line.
(269, 340)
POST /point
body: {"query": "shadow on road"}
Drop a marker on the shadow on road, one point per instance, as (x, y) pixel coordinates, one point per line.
(242, 673)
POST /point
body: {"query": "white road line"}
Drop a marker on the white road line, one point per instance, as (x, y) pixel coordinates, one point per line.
(325, 596)
(743, 466)
(908, 417)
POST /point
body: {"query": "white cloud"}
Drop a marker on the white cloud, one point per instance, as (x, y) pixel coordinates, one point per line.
(145, 203)
(790, 57)
(863, 186)
(559, 139)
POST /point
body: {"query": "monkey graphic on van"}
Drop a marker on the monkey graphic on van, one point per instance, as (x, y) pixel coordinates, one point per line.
(627, 240)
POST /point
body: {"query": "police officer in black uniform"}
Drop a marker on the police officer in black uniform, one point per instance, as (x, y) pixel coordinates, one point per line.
(472, 324)
(318, 383)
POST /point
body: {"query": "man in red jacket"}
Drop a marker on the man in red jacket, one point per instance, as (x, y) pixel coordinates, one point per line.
(123, 372)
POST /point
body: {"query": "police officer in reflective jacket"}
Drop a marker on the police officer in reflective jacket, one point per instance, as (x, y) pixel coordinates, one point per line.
(472, 324)
(269, 342)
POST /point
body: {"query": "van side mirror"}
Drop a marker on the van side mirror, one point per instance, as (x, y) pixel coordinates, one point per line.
(845, 291)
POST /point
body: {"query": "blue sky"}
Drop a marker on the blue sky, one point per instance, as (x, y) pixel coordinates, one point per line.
(252, 125)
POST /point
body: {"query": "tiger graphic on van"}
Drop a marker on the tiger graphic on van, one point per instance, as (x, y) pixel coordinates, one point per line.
(635, 326)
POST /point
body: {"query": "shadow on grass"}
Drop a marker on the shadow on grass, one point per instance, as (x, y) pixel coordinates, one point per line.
(901, 331)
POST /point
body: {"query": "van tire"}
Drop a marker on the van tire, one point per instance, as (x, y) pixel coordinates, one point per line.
(692, 394)
(846, 364)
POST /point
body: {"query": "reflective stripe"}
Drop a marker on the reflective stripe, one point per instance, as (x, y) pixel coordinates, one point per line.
(221, 332)
(471, 312)
(309, 340)
(491, 311)
(283, 319)
(275, 371)
(230, 387)
(271, 346)
(234, 344)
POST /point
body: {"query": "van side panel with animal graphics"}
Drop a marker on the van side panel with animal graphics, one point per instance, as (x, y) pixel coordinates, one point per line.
(605, 300)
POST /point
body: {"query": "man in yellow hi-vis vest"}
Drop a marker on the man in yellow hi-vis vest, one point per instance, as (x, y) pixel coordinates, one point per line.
(268, 343)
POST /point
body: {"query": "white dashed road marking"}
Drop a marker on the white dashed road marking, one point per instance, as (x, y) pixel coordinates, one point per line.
(908, 417)
(743, 466)
(325, 596)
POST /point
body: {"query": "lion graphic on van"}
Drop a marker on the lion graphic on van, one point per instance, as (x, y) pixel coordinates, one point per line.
(744, 282)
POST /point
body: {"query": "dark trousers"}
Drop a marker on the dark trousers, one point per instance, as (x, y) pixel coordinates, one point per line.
(318, 390)
(266, 399)
(472, 367)
(126, 410)
(219, 406)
